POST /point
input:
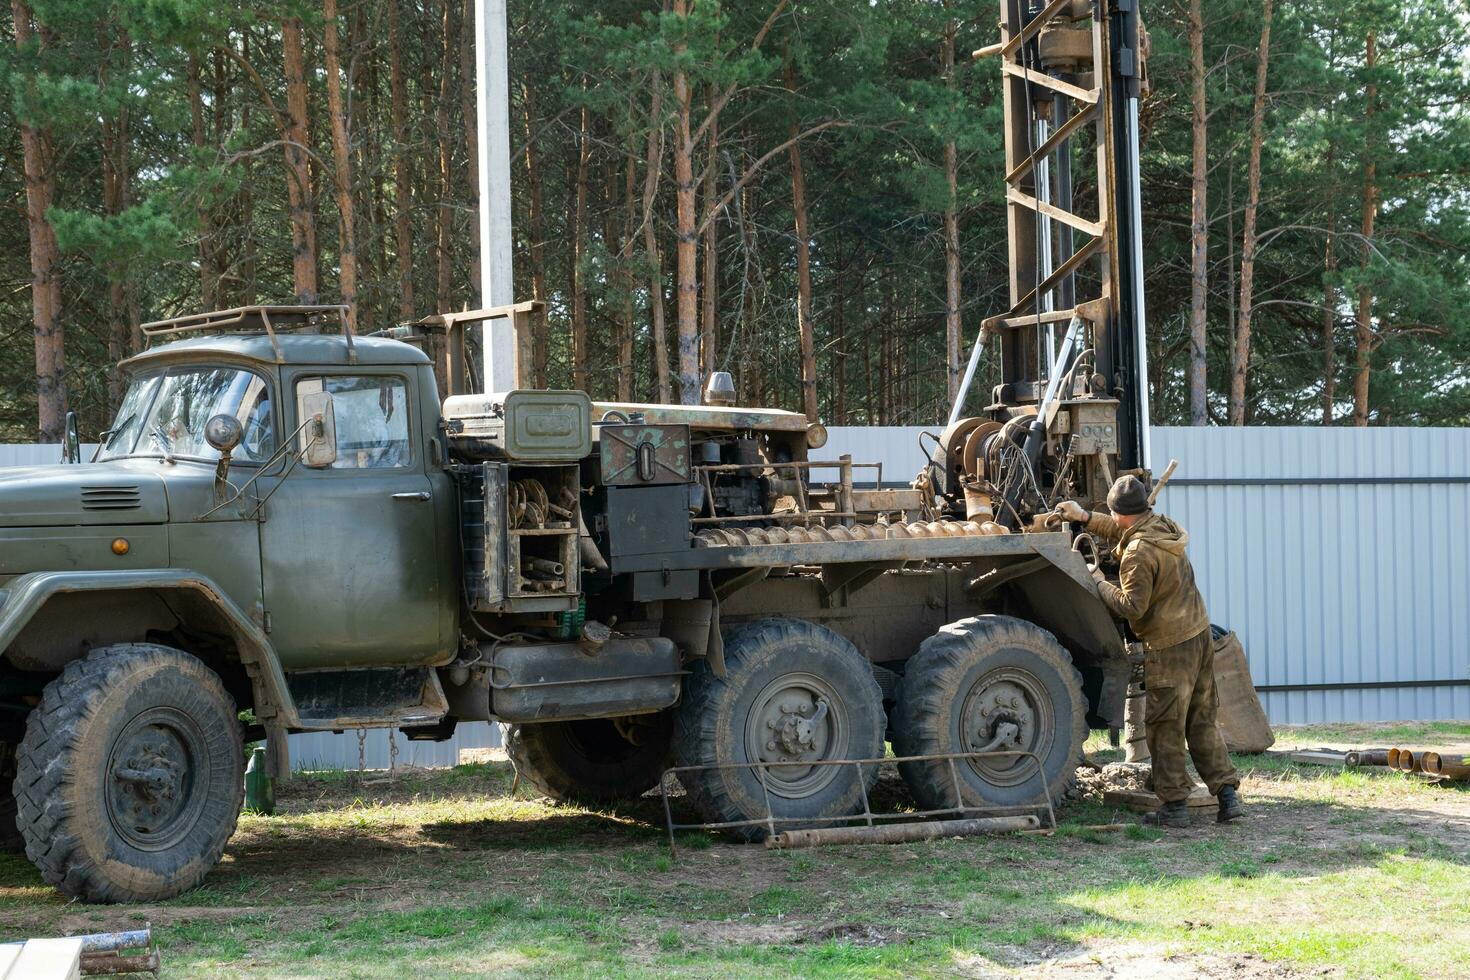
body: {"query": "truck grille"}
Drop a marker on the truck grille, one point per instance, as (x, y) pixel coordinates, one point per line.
(111, 498)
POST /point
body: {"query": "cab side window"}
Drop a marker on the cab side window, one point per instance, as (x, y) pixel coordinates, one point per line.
(372, 420)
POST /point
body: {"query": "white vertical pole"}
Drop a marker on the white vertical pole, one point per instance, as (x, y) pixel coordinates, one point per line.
(492, 93)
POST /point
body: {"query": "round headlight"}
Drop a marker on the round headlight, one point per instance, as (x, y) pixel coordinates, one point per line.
(816, 435)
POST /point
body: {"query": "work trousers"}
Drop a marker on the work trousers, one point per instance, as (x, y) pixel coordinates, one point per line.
(1180, 681)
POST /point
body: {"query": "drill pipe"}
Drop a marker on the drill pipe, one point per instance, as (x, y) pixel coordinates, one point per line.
(723, 537)
(1404, 761)
(1366, 757)
(1449, 766)
(898, 833)
(111, 964)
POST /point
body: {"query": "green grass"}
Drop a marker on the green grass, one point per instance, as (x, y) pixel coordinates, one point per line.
(446, 874)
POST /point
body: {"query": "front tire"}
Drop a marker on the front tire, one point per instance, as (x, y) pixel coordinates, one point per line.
(592, 762)
(793, 693)
(991, 682)
(129, 778)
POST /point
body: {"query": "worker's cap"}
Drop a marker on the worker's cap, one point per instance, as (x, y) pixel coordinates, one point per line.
(1128, 496)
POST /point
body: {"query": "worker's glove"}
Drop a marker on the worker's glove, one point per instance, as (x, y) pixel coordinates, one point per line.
(1098, 576)
(1072, 511)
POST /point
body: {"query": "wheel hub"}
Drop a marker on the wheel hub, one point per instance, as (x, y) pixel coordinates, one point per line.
(1006, 709)
(150, 780)
(796, 719)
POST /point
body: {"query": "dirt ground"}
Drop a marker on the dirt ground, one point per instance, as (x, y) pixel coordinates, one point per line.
(448, 873)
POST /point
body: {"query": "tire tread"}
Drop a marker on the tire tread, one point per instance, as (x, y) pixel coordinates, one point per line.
(46, 761)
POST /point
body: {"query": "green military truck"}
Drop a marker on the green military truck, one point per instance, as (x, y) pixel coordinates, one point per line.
(287, 530)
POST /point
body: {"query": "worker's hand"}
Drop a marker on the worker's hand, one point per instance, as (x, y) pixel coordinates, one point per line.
(1098, 576)
(1072, 511)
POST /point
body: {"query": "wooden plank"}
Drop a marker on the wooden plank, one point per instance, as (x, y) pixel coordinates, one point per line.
(49, 959)
(1142, 801)
(9, 953)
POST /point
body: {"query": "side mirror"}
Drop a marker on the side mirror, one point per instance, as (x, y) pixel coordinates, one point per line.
(223, 432)
(318, 437)
(71, 446)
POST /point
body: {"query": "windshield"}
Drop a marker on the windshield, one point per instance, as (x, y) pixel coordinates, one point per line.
(164, 415)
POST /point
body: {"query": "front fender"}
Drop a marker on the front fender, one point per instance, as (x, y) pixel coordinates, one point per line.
(25, 595)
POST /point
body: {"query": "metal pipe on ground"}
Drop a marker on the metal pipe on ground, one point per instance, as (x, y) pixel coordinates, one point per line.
(900, 833)
(1448, 766)
(114, 963)
(1366, 757)
(1405, 761)
(111, 942)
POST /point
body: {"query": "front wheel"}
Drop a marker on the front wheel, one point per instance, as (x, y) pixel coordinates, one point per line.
(130, 776)
(987, 684)
(793, 694)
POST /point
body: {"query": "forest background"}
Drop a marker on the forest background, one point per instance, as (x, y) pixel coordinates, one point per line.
(807, 193)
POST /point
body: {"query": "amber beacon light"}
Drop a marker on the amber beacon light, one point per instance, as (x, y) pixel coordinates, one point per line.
(120, 546)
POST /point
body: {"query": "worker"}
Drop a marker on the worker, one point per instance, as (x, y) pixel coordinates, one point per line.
(1156, 594)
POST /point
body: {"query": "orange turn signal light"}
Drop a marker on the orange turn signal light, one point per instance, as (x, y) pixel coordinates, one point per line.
(120, 546)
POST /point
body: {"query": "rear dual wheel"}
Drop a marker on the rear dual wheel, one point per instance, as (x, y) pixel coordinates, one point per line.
(793, 694)
(990, 683)
(593, 762)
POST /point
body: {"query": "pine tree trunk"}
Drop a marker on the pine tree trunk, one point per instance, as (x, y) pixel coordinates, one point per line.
(402, 177)
(1363, 327)
(40, 181)
(115, 179)
(806, 334)
(579, 253)
(208, 272)
(536, 230)
(298, 165)
(625, 280)
(709, 327)
(1240, 364)
(341, 165)
(247, 197)
(654, 168)
(444, 223)
(361, 80)
(1199, 409)
(953, 340)
(686, 247)
(1329, 309)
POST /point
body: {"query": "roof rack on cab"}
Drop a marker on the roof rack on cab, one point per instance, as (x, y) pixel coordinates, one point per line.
(258, 319)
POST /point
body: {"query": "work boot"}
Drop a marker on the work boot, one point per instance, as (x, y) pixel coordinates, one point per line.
(1230, 805)
(1172, 814)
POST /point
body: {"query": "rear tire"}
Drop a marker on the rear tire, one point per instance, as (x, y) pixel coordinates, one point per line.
(129, 778)
(967, 683)
(768, 707)
(591, 762)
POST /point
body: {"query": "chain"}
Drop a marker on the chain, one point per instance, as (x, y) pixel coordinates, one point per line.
(361, 751)
(392, 751)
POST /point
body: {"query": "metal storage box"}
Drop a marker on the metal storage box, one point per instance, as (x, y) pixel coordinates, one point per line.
(521, 426)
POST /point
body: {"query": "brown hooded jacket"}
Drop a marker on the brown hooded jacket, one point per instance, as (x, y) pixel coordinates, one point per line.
(1156, 591)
